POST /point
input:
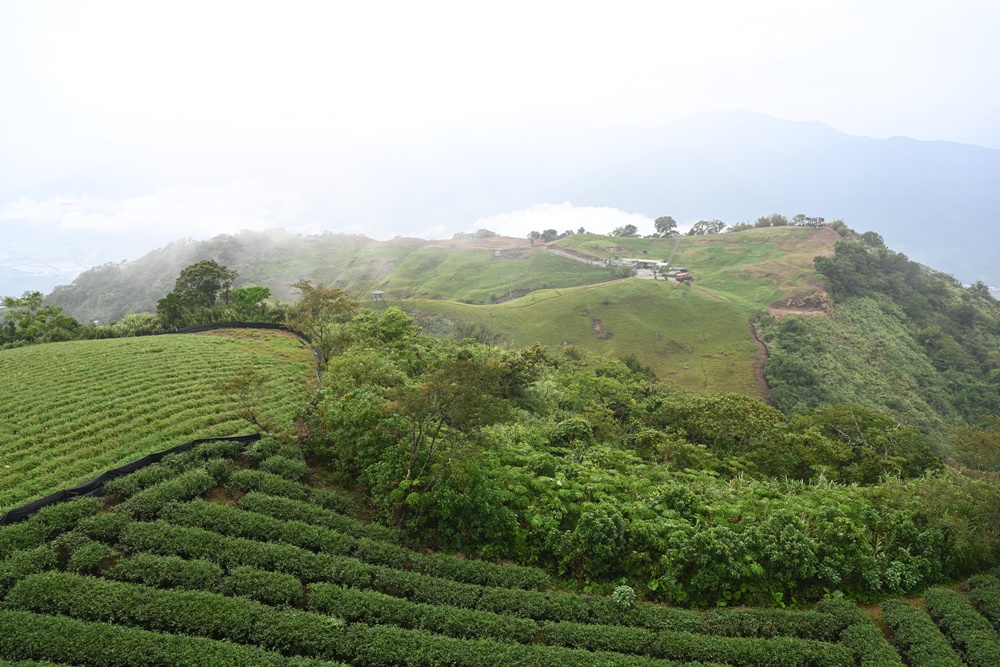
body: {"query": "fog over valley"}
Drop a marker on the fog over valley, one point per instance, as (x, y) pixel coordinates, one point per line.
(397, 121)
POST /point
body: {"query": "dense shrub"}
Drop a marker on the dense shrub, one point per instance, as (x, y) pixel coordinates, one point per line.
(196, 613)
(272, 588)
(167, 572)
(617, 638)
(267, 447)
(290, 469)
(384, 646)
(21, 563)
(747, 651)
(269, 483)
(916, 636)
(985, 594)
(644, 615)
(146, 504)
(88, 558)
(164, 539)
(46, 523)
(288, 509)
(771, 623)
(869, 646)
(105, 527)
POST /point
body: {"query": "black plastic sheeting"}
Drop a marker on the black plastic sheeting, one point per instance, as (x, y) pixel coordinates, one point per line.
(95, 487)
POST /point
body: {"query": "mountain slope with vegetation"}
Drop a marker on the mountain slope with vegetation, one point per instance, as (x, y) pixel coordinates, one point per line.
(899, 337)
(473, 270)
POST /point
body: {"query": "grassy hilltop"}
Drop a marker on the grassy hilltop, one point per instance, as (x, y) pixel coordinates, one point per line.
(697, 337)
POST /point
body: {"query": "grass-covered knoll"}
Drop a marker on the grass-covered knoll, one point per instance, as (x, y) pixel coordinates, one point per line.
(753, 267)
(83, 586)
(483, 276)
(69, 411)
(697, 337)
(692, 339)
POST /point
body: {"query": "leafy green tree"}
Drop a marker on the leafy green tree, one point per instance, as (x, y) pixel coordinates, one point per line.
(171, 310)
(665, 226)
(550, 235)
(534, 236)
(707, 227)
(204, 284)
(773, 220)
(247, 298)
(320, 313)
(873, 444)
(626, 231)
(978, 447)
(873, 239)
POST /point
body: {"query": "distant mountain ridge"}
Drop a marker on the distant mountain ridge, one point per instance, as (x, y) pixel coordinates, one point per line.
(937, 201)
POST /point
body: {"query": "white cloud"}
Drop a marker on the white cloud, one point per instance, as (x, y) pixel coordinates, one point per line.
(197, 212)
(597, 219)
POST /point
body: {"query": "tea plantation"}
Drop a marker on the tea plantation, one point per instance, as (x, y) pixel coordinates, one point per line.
(82, 407)
(224, 556)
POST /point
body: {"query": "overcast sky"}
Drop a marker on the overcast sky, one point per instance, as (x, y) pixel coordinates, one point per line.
(185, 119)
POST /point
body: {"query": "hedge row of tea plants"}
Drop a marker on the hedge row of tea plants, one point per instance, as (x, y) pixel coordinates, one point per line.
(294, 632)
(29, 636)
(916, 636)
(169, 540)
(46, 523)
(317, 512)
(228, 520)
(985, 594)
(968, 631)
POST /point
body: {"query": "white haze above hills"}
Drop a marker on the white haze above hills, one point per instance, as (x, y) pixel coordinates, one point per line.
(935, 201)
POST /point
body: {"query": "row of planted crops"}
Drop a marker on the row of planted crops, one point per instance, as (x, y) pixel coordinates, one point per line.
(223, 556)
(82, 407)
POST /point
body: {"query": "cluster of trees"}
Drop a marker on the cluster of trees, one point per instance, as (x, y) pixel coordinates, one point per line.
(666, 227)
(550, 235)
(203, 292)
(478, 234)
(596, 471)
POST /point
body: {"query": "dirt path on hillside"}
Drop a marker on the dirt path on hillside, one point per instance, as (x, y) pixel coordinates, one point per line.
(760, 360)
(577, 256)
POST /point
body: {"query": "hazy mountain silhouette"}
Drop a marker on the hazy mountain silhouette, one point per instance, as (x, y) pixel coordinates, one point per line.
(936, 201)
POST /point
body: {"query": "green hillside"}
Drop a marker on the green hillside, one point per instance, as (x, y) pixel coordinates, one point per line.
(696, 337)
(688, 336)
(475, 270)
(69, 411)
